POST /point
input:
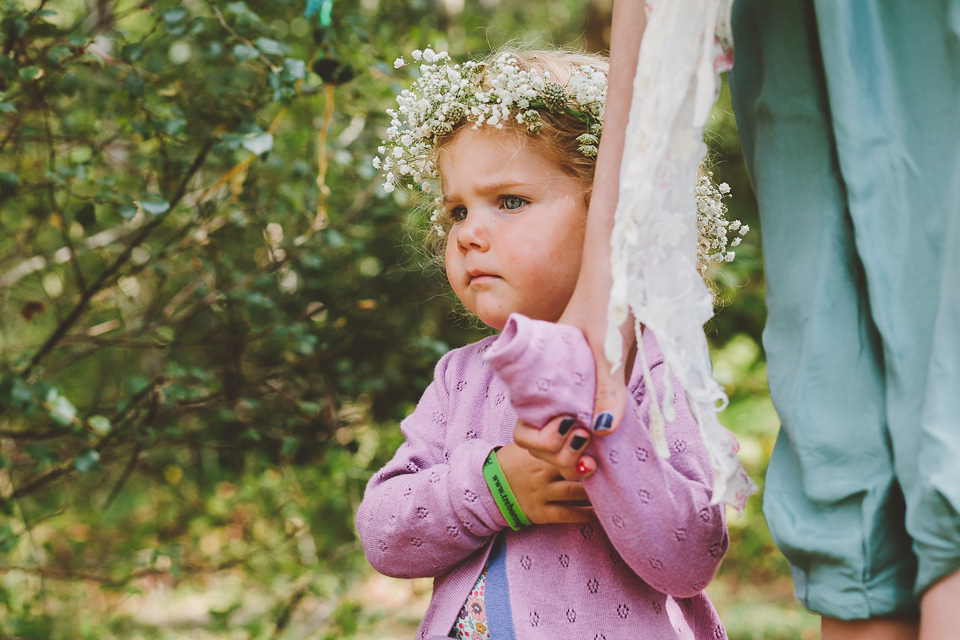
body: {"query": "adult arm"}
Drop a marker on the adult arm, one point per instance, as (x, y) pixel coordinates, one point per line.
(587, 308)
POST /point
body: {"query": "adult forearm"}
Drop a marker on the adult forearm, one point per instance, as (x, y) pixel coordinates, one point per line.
(593, 286)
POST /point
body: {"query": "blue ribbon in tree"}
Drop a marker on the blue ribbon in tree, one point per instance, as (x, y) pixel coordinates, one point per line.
(324, 9)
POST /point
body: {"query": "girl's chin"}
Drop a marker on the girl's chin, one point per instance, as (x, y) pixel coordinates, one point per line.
(498, 323)
(495, 320)
(499, 319)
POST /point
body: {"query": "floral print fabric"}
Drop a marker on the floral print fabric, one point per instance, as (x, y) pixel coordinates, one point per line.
(471, 622)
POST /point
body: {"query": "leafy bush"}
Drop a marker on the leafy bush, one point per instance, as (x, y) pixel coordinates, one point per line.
(211, 315)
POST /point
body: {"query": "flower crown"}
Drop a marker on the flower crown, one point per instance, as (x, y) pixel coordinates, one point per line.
(491, 93)
(483, 93)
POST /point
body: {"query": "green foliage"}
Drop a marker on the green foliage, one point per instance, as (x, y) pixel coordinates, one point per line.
(212, 317)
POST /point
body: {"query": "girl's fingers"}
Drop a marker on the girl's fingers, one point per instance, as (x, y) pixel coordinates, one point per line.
(560, 443)
(564, 514)
(569, 458)
(566, 491)
(546, 441)
(551, 439)
(582, 468)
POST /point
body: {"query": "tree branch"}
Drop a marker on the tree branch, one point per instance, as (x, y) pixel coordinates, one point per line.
(107, 274)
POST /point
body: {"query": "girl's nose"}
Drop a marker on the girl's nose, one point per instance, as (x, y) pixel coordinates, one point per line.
(473, 233)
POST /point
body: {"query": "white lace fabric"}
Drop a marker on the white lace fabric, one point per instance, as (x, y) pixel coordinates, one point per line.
(654, 242)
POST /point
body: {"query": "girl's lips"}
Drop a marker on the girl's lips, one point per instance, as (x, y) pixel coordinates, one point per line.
(481, 278)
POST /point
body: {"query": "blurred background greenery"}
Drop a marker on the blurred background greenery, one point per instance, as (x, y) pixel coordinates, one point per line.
(212, 318)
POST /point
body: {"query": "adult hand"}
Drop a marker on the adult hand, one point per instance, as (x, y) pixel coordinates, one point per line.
(543, 494)
(587, 308)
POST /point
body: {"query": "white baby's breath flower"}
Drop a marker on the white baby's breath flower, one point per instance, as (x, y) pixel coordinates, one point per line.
(399, 62)
(712, 225)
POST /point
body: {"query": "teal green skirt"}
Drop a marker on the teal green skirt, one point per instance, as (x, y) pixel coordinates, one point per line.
(849, 115)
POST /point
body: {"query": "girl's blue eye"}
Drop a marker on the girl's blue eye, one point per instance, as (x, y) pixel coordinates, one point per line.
(458, 213)
(513, 202)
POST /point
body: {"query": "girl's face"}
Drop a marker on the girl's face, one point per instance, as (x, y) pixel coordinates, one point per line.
(518, 226)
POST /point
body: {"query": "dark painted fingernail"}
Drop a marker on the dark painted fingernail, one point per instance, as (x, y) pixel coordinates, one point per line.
(565, 426)
(603, 422)
(577, 442)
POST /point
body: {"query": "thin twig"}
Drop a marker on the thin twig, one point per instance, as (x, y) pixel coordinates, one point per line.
(15, 125)
(80, 307)
(236, 35)
(323, 191)
(127, 472)
(287, 612)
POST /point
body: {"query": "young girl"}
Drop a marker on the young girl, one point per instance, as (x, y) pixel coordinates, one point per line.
(516, 550)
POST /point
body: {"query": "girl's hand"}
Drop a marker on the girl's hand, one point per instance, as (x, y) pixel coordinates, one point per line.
(560, 443)
(544, 495)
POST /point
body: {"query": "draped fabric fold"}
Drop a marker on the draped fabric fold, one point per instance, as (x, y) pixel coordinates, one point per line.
(654, 241)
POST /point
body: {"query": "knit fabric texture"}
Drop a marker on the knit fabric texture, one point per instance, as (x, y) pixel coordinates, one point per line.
(638, 571)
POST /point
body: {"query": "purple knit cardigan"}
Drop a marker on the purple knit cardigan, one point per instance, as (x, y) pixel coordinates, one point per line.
(637, 572)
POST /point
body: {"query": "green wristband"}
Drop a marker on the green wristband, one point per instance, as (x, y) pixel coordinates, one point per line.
(506, 501)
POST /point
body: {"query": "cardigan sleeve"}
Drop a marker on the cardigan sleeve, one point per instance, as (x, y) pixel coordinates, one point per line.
(428, 509)
(656, 511)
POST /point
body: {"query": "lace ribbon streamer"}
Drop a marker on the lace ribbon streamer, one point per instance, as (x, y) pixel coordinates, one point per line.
(654, 242)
